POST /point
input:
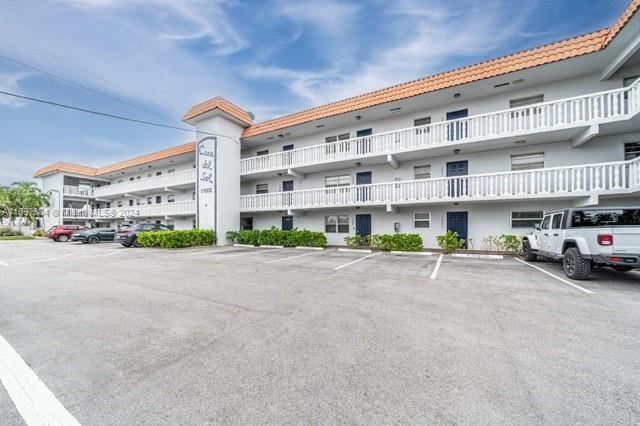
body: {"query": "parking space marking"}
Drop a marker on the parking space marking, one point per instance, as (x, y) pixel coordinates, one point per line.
(576, 286)
(34, 401)
(48, 259)
(282, 259)
(337, 268)
(434, 274)
(249, 252)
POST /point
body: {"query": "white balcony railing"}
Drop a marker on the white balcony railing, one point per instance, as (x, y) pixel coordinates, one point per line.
(527, 184)
(77, 191)
(179, 208)
(140, 185)
(612, 105)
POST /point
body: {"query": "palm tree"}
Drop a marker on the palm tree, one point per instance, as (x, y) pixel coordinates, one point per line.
(27, 200)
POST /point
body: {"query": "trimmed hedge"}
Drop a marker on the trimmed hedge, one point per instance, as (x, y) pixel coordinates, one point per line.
(278, 237)
(400, 242)
(177, 239)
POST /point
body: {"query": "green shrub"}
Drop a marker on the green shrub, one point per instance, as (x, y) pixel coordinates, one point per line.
(450, 241)
(278, 237)
(510, 243)
(39, 233)
(357, 241)
(7, 231)
(400, 242)
(176, 239)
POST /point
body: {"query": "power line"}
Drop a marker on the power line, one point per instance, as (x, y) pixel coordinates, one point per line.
(104, 114)
(73, 83)
(71, 64)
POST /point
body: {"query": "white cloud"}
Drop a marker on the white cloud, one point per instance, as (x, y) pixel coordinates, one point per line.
(10, 82)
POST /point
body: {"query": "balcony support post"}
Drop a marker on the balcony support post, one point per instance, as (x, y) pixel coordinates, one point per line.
(591, 200)
(391, 208)
(392, 161)
(586, 135)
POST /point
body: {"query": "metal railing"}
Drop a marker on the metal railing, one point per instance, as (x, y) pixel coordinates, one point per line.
(582, 179)
(77, 191)
(583, 110)
(179, 208)
(147, 184)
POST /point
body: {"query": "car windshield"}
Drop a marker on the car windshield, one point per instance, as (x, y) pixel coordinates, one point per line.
(613, 217)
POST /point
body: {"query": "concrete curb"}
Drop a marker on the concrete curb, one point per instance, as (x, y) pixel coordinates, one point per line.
(269, 246)
(478, 256)
(412, 253)
(244, 245)
(350, 250)
(309, 248)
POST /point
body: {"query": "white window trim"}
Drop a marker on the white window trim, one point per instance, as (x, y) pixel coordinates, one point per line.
(520, 211)
(421, 220)
(544, 160)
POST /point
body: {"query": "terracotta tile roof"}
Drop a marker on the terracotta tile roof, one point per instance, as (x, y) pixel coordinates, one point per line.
(561, 50)
(621, 22)
(92, 171)
(223, 105)
(66, 167)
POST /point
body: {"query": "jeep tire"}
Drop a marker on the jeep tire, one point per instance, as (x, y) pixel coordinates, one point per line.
(529, 256)
(575, 266)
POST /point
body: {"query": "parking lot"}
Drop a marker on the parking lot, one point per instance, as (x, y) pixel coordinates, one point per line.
(232, 335)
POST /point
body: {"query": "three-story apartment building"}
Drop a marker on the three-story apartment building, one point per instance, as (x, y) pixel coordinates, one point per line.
(482, 150)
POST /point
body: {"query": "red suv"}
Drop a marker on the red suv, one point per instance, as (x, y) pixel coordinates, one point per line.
(64, 232)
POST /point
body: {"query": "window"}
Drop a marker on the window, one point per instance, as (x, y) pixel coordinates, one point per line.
(138, 177)
(262, 188)
(556, 223)
(149, 174)
(631, 150)
(138, 201)
(604, 217)
(171, 198)
(193, 224)
(422, 122)
(246, 223)
(527, 161)
(119, 180)
(287, 147)
(148, 200)
(193, 195)
(263, 152)
(171, 171)
(526, 219)
(342, 137)
(108, 205)
(158, 199)
(287, 185)
(421, 220)
(287, 223)
(422, 172)
(336, 224)
(335, 181)
(545, 222)
(158, 173)
(119, 203)
(130, 203)
(529, 100)
(131, 178)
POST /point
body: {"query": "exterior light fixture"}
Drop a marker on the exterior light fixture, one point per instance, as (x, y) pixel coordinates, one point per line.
(520, 142)
(358, 117)
(456, 95)
(358, 164)
(319, 126)
(456, 151)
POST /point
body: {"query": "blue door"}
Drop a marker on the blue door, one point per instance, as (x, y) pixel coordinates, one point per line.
(363, 145)
(457, 221)
(363, 225)
(287, 185)
(287, 223)
(364, 178)
(457, 186)
(457, 130)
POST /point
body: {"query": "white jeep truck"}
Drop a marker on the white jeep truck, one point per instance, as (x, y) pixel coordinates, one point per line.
(587, 238)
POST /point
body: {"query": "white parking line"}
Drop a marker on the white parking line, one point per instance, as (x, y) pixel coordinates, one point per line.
(282, 259)
(48, 259)
(576, 286)
(35, 402)
(3, 264)
(355, 261)
(434, 274)
(226, 256)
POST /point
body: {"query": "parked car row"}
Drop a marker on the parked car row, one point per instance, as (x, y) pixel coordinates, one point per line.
(125, 235)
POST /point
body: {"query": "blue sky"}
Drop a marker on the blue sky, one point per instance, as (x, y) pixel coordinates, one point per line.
(270, 57)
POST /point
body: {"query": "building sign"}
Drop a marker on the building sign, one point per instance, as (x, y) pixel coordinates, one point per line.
(206, 182)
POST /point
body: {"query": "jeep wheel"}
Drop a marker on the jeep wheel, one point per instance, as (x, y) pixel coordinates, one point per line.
(93, 239)
(575, 266)
(529, 256)
(62, 238)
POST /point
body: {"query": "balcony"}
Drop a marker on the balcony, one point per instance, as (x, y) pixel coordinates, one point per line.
(561, 182)
(576, 119)
(76, 191)
(180, 208)
(177, 180)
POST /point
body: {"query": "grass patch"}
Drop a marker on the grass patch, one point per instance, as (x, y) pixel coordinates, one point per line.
(16, 237)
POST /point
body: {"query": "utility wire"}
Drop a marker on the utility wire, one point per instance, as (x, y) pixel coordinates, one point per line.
(71, 64)
(104, 114)
(82, 86)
